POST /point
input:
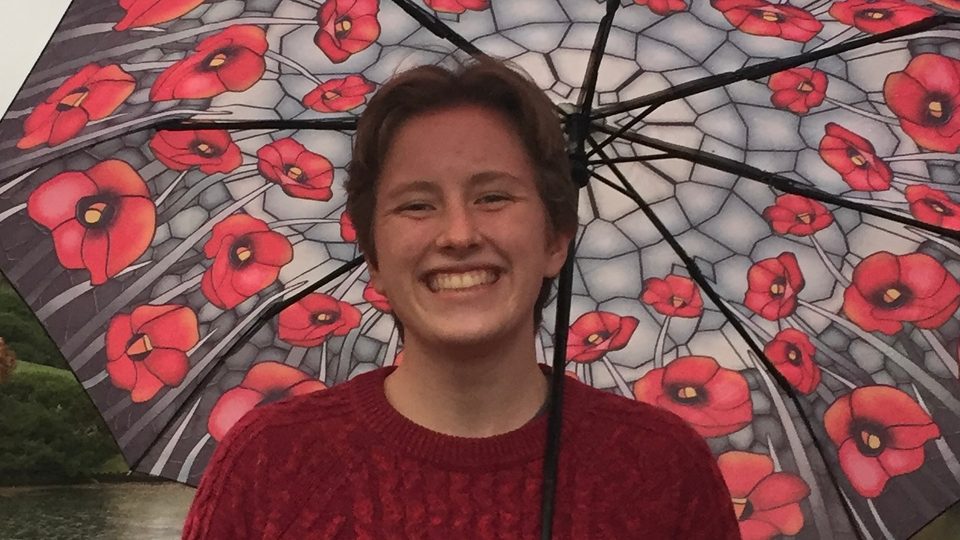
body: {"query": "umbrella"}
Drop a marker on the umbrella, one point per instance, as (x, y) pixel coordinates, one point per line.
(767, 242)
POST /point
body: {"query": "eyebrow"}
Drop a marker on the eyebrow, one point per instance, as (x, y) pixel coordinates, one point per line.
(480, 178)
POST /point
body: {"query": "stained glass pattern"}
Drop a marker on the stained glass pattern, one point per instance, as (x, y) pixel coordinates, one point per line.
(798, 311)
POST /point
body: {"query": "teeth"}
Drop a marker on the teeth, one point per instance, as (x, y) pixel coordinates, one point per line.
(441, 282)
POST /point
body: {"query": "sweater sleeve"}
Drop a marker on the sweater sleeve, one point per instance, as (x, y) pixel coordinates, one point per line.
(707, 507)
(227, 503)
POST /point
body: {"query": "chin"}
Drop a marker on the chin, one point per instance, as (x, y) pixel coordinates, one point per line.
(462, 335)
(466, 337)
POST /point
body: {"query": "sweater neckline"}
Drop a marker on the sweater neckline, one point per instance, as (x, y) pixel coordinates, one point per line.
(397, 432)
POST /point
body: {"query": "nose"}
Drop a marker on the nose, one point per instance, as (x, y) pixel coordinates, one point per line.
(459, 228)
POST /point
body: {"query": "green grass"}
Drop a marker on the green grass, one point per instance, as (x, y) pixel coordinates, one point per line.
(114, 465)
(24, 368)
(945, 526)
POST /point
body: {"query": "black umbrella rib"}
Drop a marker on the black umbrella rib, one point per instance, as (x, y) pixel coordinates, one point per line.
(578, 128)
(708, 289)
(624, 128)
(758, 71)
(243, 338)
(776, 181)
(437, 27)
(627, 159)
(578, 122)
(585, 101)
(330, 124)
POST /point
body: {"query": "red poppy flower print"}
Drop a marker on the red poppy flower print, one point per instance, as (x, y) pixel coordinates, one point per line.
(247, 257)
(101, 219)
(265, 383)
(797, 215)
(347, 27)
(376, 299)
(212, 150)
(763, 18)
(663, 7)
(339, 95)
(347, 230)
(92, 94)
(773, 285)
(673, 296)
(888, 290)
(767, 503)
(792, 354)
(879, 432)
(926, 99)
(231, 61)
(798, 89)
(457, 6)
(949, 4)
(141, 13)
(316, 317)
(596, 333)
(876, 16)
(147, 348)
(933, 206)
(300, 172)
(715, 401)
(855, 159)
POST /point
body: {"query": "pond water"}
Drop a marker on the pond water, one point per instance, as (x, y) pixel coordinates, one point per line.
(156, 511)
(138, 511)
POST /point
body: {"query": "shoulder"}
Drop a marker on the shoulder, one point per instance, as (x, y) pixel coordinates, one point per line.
(637, 424)
(295, 422)
(254, 478)
(313, 430)
(637, 443)
(656, 458)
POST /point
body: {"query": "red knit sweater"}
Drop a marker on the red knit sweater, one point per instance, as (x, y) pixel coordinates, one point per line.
(343, 463)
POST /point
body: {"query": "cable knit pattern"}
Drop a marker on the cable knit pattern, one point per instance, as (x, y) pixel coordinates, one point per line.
(343, 463)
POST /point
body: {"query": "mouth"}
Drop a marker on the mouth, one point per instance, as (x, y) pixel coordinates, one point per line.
(461, 281)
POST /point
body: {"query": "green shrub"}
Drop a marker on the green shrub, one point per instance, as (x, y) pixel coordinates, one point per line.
(28, 340)
(49, 429)
(10, 302)
(14, 327)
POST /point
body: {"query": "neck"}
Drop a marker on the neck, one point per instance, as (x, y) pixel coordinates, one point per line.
(481, 392)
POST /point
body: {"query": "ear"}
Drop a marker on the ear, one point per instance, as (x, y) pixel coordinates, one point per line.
(374, 273)
(557, 247)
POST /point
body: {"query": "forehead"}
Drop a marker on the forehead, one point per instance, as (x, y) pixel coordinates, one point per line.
(479, 180)
(460, 144)
(456, 115)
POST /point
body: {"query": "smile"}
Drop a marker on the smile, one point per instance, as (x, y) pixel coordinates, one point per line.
(449, 281)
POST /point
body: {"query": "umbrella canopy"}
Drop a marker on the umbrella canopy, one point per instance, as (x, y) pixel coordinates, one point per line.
(768, 240)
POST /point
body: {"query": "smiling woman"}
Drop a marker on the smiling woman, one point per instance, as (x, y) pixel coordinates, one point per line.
(458, 199)
(461, 194)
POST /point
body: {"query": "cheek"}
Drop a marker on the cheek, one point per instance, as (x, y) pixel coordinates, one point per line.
(399, 245)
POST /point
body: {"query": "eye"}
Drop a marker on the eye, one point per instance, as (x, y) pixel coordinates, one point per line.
(493, 198)
(415, 207)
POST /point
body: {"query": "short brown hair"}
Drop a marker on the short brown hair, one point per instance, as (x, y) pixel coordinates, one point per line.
(482, 81)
